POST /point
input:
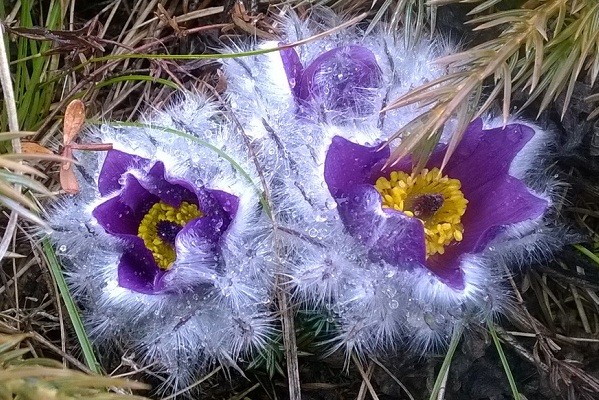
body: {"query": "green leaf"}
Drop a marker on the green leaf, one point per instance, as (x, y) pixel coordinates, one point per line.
(504, 362)
(73, 311)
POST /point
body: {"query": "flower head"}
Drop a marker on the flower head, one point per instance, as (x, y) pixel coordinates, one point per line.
(444, 216)
(345, 78)
(167, 247)
(416, 252)
(155, 216)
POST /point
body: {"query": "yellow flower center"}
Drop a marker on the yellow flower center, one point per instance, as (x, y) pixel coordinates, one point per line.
(159, 227)
(434, 199)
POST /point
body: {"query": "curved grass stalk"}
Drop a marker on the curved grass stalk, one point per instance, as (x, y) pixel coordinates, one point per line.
(594, 257)
(453, 345)
(504, 362)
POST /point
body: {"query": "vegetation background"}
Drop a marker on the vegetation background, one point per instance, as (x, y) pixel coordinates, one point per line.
(537, 58)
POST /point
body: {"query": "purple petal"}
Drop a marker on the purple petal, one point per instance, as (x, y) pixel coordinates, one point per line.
(172, 193)
(391, 235)
(488, 152)
(122, 214)
(229, 203)
(205, 232)
(348, 164)
(137, 269)
(203, 236)
(345, 78)
(293, 69)
(447, 268)
(498, 203)
(115, 165)
(495, 199)
(493, 148)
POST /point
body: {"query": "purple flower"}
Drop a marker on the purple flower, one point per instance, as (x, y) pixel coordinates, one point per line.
(155, 217)
(344, 78)
(432, 219)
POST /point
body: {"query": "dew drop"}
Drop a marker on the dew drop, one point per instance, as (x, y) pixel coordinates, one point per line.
(394, 304)
(62, 249)
(391, 292)
(331, 204)
(320, 218)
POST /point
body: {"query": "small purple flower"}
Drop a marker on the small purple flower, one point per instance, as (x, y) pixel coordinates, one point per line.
(432, 219)
(344, 78)
(154, 216)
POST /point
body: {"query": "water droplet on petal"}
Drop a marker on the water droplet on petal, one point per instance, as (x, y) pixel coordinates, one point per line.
(331, 204)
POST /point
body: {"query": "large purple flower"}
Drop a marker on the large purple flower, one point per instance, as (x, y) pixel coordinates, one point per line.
(432, 218)
(344, 78)
(154, 216)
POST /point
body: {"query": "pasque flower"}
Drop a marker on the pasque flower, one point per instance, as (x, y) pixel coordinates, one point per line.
(433, 218)
(154, 216)
(167, 247)
(395, 257)
(403, 256)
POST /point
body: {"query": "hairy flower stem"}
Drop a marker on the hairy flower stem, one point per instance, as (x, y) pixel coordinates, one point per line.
(283, 303)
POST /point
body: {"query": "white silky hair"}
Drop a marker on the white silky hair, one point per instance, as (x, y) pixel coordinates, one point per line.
(181, 334)
(376, 306)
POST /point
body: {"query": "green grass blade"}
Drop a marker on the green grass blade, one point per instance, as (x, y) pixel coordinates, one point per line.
(455, 340)
(587, 253)
(504, 362)
(35, 87)
(73, 311)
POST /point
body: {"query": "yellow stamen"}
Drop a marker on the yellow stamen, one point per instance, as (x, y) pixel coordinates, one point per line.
(434, 199)
(164, 252)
